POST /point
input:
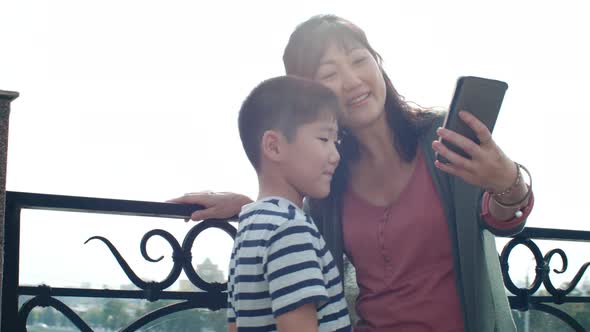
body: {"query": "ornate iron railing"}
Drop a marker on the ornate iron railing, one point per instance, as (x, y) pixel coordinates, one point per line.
(213, 296)
(523, 298)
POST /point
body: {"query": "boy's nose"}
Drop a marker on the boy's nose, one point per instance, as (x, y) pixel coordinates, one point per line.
(334, 157)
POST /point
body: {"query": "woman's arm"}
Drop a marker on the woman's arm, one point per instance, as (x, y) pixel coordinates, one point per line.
(218, 205)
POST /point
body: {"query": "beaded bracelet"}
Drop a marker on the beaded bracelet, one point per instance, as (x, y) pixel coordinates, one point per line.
(514, 186)
(519, 214)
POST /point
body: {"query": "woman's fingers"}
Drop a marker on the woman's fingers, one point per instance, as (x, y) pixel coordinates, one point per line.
(488, 166)
(206, 198)
(481, 130)
(462, 142)
(207, 213)
(216, 205)
(453, 170)
(198, 197)
(450, 155)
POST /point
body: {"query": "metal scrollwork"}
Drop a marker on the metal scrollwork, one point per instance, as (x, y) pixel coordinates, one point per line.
(182, 260)
(559, 293)
(542, 276)
(151, 288)
(46, 300)
(522, 293)
(181, 256)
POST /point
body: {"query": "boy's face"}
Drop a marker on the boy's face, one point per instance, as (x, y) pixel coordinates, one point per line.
(312, 157)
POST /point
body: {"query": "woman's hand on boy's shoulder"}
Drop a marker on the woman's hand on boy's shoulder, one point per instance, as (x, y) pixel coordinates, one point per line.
(217, 205)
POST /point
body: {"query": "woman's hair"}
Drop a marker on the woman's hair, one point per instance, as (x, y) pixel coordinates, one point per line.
(302, 57)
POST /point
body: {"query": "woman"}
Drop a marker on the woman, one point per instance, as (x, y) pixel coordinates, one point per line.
(418, 232)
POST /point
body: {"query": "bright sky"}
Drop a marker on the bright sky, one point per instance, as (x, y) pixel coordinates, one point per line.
(138, 100)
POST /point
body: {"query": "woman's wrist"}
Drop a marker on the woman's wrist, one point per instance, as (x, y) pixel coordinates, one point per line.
(500, 217)
(510, 201)
(518, 193)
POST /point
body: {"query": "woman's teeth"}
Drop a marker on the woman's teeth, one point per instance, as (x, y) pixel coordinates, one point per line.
(358, 99)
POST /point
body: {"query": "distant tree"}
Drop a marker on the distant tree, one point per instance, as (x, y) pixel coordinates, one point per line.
(94, 317)
(34, 316)
(115, 314)
(48, 316)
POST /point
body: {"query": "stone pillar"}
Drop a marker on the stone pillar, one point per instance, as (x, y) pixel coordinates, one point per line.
(5, 98)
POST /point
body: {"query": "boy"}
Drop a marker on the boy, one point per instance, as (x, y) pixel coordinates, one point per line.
(281, 275)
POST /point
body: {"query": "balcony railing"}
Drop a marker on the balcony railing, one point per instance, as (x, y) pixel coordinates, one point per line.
(522, 298)
(212, 295)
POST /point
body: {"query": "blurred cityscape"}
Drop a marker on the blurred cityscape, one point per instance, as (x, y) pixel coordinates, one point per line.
(105, 315)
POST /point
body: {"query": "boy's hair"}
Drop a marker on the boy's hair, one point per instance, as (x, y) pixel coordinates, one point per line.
(284, 104)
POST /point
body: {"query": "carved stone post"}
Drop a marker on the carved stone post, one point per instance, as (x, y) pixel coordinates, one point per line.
(5, 98)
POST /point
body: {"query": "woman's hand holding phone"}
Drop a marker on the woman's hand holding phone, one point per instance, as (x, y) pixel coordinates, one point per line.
(465, 147)
(487, 166)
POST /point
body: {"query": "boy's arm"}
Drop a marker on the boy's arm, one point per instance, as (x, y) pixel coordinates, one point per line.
(302, 319)
(296, 282)
(231, 327)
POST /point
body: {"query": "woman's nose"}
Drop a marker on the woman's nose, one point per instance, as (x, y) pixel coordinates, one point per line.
(350, 79)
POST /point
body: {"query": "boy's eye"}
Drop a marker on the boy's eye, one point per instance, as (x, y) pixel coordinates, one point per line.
(337, 142)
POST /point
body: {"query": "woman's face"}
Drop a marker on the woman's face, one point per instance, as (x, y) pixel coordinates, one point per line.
(356, 78)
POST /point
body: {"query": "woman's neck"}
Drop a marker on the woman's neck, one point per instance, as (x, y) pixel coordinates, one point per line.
(371, 175)
(377, 145)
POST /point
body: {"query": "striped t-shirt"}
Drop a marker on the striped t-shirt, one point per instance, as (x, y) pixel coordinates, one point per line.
(280, 262)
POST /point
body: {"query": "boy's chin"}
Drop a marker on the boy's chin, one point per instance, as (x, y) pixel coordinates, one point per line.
(319, 195)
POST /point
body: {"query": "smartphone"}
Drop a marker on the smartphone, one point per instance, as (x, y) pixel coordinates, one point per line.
(480, 96)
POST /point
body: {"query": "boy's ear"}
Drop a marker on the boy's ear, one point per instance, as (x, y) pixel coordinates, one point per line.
(273, 145)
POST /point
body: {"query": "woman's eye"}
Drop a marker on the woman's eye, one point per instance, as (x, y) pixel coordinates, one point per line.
(359, 60)
(323, 139)
(327, 76)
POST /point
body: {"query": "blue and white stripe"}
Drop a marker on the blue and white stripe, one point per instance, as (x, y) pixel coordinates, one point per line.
(280, 262)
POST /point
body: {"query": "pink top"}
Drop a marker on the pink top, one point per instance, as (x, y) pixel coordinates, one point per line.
(403, 258)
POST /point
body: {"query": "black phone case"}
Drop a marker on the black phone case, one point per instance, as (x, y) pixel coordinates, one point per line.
(483, 98)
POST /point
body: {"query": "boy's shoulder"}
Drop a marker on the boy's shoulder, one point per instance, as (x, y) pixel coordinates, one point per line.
(274, 208)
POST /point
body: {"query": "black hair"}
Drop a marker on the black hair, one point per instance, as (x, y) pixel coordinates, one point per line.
(284, 104)
(302, 56)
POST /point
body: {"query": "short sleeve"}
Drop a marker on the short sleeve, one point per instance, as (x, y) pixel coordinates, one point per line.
(293, 267)
(231, 313)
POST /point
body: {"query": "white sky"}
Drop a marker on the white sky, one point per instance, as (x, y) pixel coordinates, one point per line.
(138, 100)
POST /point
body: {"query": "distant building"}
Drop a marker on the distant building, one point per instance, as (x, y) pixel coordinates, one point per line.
(128, 287)
(208, 271)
